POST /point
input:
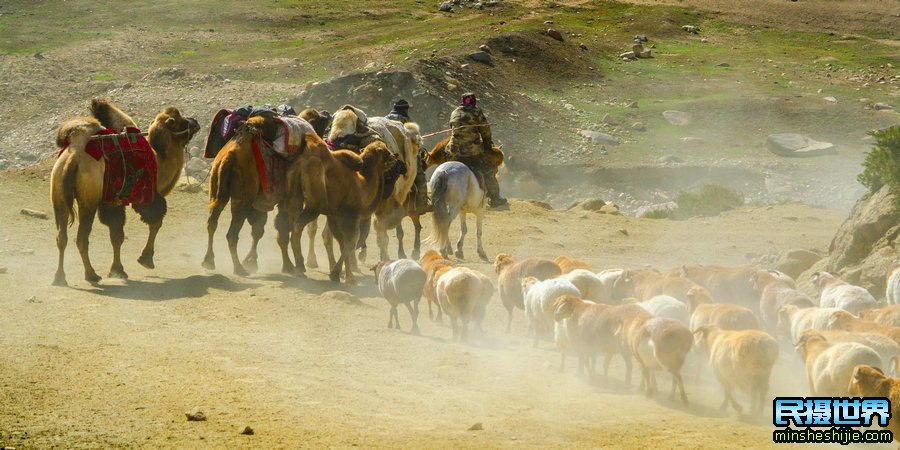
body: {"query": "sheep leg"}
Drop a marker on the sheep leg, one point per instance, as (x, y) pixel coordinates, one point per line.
(607, 359)
(676, 377)
(509, 311)
(592, 367)
(464, 332)
(453, 326)
(391, 316)
(414, 313)
(463, 229)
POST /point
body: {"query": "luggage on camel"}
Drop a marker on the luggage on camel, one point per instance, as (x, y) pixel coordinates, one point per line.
(221, 130)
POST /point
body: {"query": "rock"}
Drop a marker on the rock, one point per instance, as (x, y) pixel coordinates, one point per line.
(34, 213)
(582, 46)
(692, 140)
(196, 152)
(196, 166)
(679, 118)
(466, 66)
(594, 204)
(623, 231)
(670, 159)
(484, 48)
(476, 427)
(830, 99)
(195, 415)
(637, 49)
(641, 38)
(555, 34)
(638, 126)
(882, 107)
(863, 249)
(632, 105)
(645, 54)
(795, 262)
(723, 64)
(246, 430)
(607, 119)
(610, 209)
(690, 29)
(628, 55)
(797, 145)
(446, 7)
(569, 106)
(539, 204)
(644, 211)
(599, 138)
(703, 40)
(482, 57)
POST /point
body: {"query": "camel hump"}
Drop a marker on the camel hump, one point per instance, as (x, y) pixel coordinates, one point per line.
(349, 159)
(109, 115)
(82, 127)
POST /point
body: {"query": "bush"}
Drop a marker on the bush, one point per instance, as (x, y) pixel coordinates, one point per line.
(712, 200)
(882, 165)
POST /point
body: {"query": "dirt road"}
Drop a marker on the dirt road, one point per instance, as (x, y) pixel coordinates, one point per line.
(120, 364)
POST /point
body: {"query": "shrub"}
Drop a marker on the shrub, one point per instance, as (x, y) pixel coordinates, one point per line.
(882, 165)
(710, 201)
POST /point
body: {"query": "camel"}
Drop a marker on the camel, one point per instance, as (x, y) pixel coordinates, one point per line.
(404, 141)
(343, 186)
(78, 178)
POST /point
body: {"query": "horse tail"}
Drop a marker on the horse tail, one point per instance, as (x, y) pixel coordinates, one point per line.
(220, 181)
(64, 197)
(440, 215)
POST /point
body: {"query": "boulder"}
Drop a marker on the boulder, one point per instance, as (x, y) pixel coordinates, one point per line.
(643, 211)
(594, 204)
(599, 138)
(481, 56)
(610, 209)
(797, 145)
(863, 250)
(795, 262)
(446, 7)
(882, 107)
(638, 126)
(555, 34)
(679, 118)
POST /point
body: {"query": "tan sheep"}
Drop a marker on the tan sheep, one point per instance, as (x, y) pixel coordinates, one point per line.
(829, 365)
(660, 343)
(585, 327)
(868, 381)
(510, 274)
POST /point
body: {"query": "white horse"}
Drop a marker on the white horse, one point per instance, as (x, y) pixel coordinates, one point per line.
(455, 191)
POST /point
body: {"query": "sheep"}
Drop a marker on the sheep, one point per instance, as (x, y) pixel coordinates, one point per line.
(539, 299)
(793, 320)
(487, 291)
(835, 292)
(459, 292)
(843, 320)
(592, 287)
(725, 316)
(586, 328)
(740, 359)
(892, 291)
(886, 348)
(608, 279)
(888, 316)
(633, 283)
(869, 381)
(776, 290)
(674, 287)
(731, 283)
(660, 343)
(399, 282)
(509, 279)
(434, 266)
(567, 264)
(829, 365)
(666, 306)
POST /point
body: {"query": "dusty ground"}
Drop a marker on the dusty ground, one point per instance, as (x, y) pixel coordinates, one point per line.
(119, 365)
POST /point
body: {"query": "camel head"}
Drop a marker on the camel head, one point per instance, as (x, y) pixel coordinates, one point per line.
(378, 151)
(320, 120)
(171, 132)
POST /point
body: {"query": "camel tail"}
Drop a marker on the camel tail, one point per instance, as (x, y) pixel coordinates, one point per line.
(220, 181)
(63, 196)
(441, 215)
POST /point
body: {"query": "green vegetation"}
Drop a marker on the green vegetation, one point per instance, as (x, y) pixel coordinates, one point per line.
(882, 164)
(712, 200)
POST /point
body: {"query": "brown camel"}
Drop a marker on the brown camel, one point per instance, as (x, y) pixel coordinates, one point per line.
(343, 186)
(78, 178)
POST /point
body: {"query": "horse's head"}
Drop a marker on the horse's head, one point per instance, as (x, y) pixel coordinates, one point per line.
(171, 131)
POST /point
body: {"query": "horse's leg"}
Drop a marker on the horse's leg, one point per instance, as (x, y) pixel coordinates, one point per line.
(463, 229)
(479, 221)
(257, 221)
(417, 243)
(152, 215)
(209, 261)
(114, 218)
(283, 227)
(311, 260)
(62, 240)
(85, 224)
(401, 252)
(239, 214)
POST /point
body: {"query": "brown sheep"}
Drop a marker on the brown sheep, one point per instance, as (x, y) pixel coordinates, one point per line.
(888, 316)
(633, 283)
(510, 274)
(728, 284)
(567, 264)
(434, 266)
(842, 320)
(740, 360)
(868, 381)
(584, 327)
(460, 292)
(722, 315)
(775, 290)
(660, 343)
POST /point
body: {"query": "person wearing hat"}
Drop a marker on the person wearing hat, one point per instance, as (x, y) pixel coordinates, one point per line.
(470, 138)
(400, 113)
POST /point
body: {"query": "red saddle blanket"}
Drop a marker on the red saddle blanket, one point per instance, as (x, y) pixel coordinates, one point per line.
(130, 175)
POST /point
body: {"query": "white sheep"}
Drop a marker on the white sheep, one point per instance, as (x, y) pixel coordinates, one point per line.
(460, 291)
(837, 293)
(666, 306)
(742, 360)
(590, 285)
(793, 320)
(399, 282)
(829, 365)
(539, 302)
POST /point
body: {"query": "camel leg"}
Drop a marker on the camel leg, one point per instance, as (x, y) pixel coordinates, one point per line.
(479, 222)
(365, 227)
(209, 261)
(62, 240)
(328, 240)
(305, 217)
(351, 237)
(417, 243)
(257, 221)
(463, 229)
(114, 218)
(152, 215)
(311, 260)
(283, 227)
(238, 216)
(85, 225)
(381, 238)
(401, 252)
(334, 226)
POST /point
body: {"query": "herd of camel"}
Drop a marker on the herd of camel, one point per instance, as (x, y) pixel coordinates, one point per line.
(345, 186)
